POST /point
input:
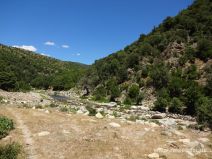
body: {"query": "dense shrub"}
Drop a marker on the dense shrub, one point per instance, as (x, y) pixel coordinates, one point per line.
(161, 104)
(133, 91)
(100, 93)
(5, 126)
(127, 101)
(92, 111)
(204, 49)
(159, 75)
(204, 111)
(176, 106)
(10, 151)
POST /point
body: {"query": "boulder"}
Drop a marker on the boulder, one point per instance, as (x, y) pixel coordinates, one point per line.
(153, 156)
(79, 111)
(168, 122)
(159, 116)
(115, 125)
(99, 116)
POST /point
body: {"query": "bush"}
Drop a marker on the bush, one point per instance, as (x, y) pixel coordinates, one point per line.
(5, 126)
(204, 111)
(159, 75)
(127, 101)
(204, 48)
(92, 111)
(176, 106)
(160, 105)
(133, 91)
(139, 98)
(99, 93)
(10, 151)
(64, 109)
(113, 89)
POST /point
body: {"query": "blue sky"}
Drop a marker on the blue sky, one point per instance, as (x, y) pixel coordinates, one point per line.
(81, 30)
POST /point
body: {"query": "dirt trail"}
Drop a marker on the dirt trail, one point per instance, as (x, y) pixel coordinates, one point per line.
(58, 135)
(30, 150)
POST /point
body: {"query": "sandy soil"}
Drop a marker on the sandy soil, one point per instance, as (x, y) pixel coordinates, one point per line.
(59, 135)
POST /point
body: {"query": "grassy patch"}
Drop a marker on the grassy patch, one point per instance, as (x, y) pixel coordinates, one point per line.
(10, 151)
(5, 126)
(92, 111)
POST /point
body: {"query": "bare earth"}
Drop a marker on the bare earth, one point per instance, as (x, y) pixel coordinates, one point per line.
(58, 135)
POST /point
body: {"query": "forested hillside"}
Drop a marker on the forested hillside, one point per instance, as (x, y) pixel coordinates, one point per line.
(174, 61)
(23, 70)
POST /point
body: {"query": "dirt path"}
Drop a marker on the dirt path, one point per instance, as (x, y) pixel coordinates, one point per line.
(30, 150)
(58, 135)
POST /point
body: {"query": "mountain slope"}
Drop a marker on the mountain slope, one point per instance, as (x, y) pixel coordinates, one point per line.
(173, 61)
(21, 70)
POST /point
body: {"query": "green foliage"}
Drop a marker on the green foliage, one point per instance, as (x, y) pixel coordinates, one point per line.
(160, 105)
(204, 111)
(159, 75)
(176, 106)
(176, 86)
(127, 101)
(64, 109)
(92, 111)
(7, 81)
(192, 95)
(113, 89)
(5, 126)
(204, 49)
(10, 151)
(133, 91)
(100, 93)
(21, 69)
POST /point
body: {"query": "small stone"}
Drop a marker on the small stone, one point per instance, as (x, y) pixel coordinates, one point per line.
(110, 116)
(47, 111)
(86, 113)
(66, 132)
(204, 140)
(153, 156)
(99, 116)
(43, 133)
(79, 111)
(115, 125)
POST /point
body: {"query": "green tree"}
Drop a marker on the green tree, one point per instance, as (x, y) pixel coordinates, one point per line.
(7, 81)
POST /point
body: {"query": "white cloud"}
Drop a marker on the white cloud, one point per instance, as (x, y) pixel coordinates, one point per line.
(50, 43)
(45, 54)
(77, 54)
(65, 46)
(26, 47)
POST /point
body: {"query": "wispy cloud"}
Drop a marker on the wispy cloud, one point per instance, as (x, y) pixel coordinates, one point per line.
(50, 43)
(26, 47)
(77, 54)
(45, 54)
(65, 46)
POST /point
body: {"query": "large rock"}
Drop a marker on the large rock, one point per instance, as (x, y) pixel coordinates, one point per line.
(99, 116)
(153, 156)
(159, 116)
(115, 125)
(111, 104)
(168, 122)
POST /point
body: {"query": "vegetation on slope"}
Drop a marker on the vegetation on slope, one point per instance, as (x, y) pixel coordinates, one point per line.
(22, 70)
(174, 59)
(8, 151)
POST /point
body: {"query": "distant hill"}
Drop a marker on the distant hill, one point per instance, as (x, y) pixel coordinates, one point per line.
(173, 63)
(23, 70)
